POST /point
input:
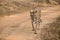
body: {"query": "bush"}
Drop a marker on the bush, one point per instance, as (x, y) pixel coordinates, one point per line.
(51, 31)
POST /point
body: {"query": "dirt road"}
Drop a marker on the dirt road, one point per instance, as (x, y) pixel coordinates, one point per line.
(18, 26)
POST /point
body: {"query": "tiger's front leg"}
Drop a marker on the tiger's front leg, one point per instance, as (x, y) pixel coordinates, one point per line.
(35, 27)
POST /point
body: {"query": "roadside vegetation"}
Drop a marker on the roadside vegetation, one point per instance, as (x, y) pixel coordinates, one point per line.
(51, 31)
(13, 7)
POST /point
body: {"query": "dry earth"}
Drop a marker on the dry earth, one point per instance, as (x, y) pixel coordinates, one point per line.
(18, 26)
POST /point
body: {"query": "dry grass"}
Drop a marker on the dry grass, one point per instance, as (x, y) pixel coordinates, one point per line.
(51, 31)
(13, 7)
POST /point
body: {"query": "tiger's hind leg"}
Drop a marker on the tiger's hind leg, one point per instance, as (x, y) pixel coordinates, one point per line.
(39, 22)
